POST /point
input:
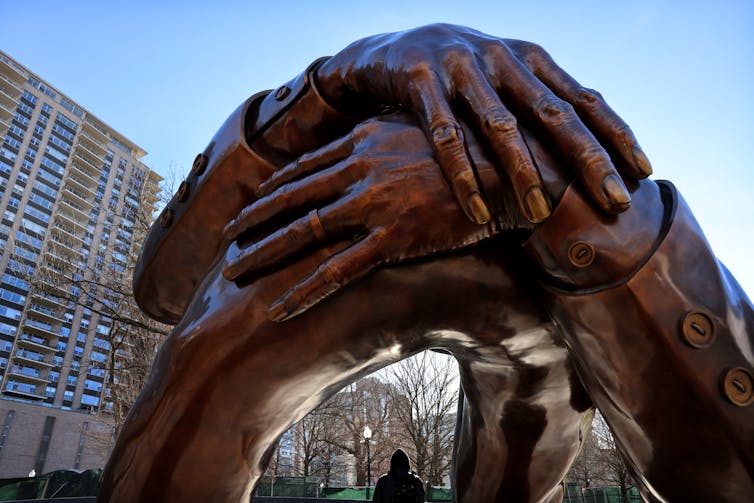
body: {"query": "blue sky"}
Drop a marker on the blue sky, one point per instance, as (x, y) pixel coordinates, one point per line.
(166, 74)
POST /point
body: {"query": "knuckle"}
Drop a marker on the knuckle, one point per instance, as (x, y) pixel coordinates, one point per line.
(593, 157)
(552, 110)
(421, 72)
(502, 122)
(459, 56)
(331, 273)
(381, 239)
(364, 130)
(464, 178)
(446, 133)
(536, 52)
(283, 197)
(586, 97)
(301, 162)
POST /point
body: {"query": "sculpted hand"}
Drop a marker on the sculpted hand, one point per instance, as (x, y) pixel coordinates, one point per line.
(379, 190)
(442, 71)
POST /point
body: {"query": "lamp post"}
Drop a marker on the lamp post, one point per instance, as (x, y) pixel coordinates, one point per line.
(367, 438)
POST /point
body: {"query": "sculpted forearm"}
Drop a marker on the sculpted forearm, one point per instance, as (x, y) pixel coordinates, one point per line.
(660, 334)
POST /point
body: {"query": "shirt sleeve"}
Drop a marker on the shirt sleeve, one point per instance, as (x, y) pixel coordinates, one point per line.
(661, 336)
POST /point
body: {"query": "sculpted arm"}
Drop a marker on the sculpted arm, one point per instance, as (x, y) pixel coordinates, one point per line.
(228, 381)
(441, 73)
(661, 334)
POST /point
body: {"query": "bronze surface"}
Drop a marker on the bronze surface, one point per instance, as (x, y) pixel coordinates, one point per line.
(593, 309)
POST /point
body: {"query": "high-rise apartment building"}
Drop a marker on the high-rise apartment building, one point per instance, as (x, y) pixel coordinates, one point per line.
(70, 188)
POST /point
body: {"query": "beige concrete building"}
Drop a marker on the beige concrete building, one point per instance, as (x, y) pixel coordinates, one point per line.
(70, 188)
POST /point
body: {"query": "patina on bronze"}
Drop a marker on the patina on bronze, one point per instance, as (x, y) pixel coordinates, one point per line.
(609, 316)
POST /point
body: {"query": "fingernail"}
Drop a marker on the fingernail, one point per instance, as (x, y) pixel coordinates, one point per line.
(641, 161)
(229, 271)
(537, 205)
(476, 207)
(616, 193)
(230, 229)
(277, 311)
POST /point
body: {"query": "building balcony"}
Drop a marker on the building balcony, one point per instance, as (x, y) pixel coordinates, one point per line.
(72, 216)
(50, 300)
(93, 145)
(96, 131)
(89, 156)
(28, 374)
(4, 126)
(64, 246)
(79, 184)
(10, 87)
(39, 333)
(10, 101)
(66, 234)
(85, 167)
(55, 259)
(78, 197)
(46, 314)
(6, 112)
(33, 357)
(77, 213)
(71, 220)
(53, 285)
(24, 390)
(85, 162)
(12, 74)
(84, 175)
(154, 177)
(36, 341)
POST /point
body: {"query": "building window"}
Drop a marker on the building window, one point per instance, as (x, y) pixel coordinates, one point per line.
(89, 400)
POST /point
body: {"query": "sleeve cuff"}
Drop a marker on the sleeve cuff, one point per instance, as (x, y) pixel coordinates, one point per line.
(580, 249)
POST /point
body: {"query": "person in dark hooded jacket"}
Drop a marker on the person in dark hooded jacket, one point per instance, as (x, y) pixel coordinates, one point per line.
(399, 485)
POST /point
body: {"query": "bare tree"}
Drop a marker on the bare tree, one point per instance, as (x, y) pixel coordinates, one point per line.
(424, 393)
(600, 462)
(364, 403)
(617, 471)
(310, 440)
(101, 283)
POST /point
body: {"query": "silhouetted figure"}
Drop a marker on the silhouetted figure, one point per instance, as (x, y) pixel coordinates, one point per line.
(399, 485)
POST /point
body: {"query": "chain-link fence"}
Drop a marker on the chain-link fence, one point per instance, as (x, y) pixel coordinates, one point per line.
(57, 484)
(575, 493)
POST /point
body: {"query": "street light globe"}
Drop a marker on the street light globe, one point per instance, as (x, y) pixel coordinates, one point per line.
(367, 432)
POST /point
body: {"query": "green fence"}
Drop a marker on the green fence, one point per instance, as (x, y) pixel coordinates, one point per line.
(65, 483)
(574, 493)
(309, 487)
(58, 484)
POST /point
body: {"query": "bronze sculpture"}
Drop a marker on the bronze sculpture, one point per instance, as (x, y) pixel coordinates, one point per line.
(480, 303)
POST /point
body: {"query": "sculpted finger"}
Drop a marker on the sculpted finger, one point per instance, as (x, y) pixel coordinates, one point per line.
(446, 136)
(559, 122)
(299, 195)
(501, 129)
(308, 163)
(591, 107)
(333, 274)
(306, 232)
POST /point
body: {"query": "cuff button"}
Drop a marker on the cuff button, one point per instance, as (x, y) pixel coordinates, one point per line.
(183, 191)
(581, 254)
(697, 329)
(166, 218)
(282, 93)
(738, 386)
(200, 164)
